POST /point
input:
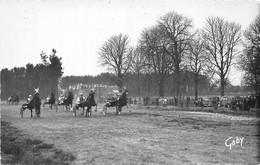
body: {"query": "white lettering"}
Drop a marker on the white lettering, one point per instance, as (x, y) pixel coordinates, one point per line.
(228, 145)
(231, 142)
(237, 140)
(241, 139)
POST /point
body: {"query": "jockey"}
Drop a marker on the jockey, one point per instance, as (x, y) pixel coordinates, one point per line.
(61, 98)
(92, 93)
(47, 99)
(123, 98)
(92, 96)
(29, 98)
(81, 98)
(111, 97)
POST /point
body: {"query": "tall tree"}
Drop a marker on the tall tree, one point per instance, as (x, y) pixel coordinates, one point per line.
(116, 55)
(196, 60)
(138, 65)
(221, 39)
(49, 72)
(177, 31)
(250, 58)
(157, 61)
(55, 68)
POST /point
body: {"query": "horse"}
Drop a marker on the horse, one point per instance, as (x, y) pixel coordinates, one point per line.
(50, 100)
(89, 102)
(13, 99)
(118, 103)
(35, 103)
(67, 101)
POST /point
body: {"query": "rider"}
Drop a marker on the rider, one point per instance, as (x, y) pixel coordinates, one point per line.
(92, 93)
(48, 99)
(81, 99)
(29, 98)
(122, 100)
(92, 96)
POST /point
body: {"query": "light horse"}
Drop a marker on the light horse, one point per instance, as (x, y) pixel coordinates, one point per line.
(118, 103)
(89, 102)
(35, 103)
(50, 100)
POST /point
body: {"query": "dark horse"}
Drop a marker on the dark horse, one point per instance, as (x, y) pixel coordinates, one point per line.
(13, 99)
(89, 102)
(118, 103)
(35, 103)
(50, 100)
(67, 101)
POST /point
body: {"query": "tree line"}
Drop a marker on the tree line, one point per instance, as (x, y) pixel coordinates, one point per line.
(172, 46)
(21, 80)
(170, 58)
(140, 85)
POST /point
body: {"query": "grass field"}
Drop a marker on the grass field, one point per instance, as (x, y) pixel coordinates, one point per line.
(142, 136)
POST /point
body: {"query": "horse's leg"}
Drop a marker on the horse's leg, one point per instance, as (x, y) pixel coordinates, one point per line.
(96, 108)
(75, 112)
(31, 113)
(104, 110)
(39, 111)
(89, 111)
(36, 113)
(116, 110)
(119, 108)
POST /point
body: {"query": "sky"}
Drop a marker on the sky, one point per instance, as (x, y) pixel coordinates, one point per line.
(77, 29)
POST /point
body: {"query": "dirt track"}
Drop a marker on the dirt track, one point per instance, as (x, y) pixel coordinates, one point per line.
(144, 136)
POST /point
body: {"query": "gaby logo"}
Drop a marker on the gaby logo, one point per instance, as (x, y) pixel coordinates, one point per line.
(234, 141)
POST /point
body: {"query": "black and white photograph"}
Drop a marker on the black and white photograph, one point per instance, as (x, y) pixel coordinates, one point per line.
(130, 82)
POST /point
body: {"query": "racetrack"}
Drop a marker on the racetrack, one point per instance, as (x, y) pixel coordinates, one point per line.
(143, 136)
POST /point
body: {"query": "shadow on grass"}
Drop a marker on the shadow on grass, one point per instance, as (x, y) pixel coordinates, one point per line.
(17, 149)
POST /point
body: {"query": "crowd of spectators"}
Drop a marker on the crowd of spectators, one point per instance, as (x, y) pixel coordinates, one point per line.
(234, 103)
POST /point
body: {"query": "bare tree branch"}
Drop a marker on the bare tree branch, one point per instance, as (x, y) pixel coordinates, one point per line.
(221, 38)
(116, 55)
